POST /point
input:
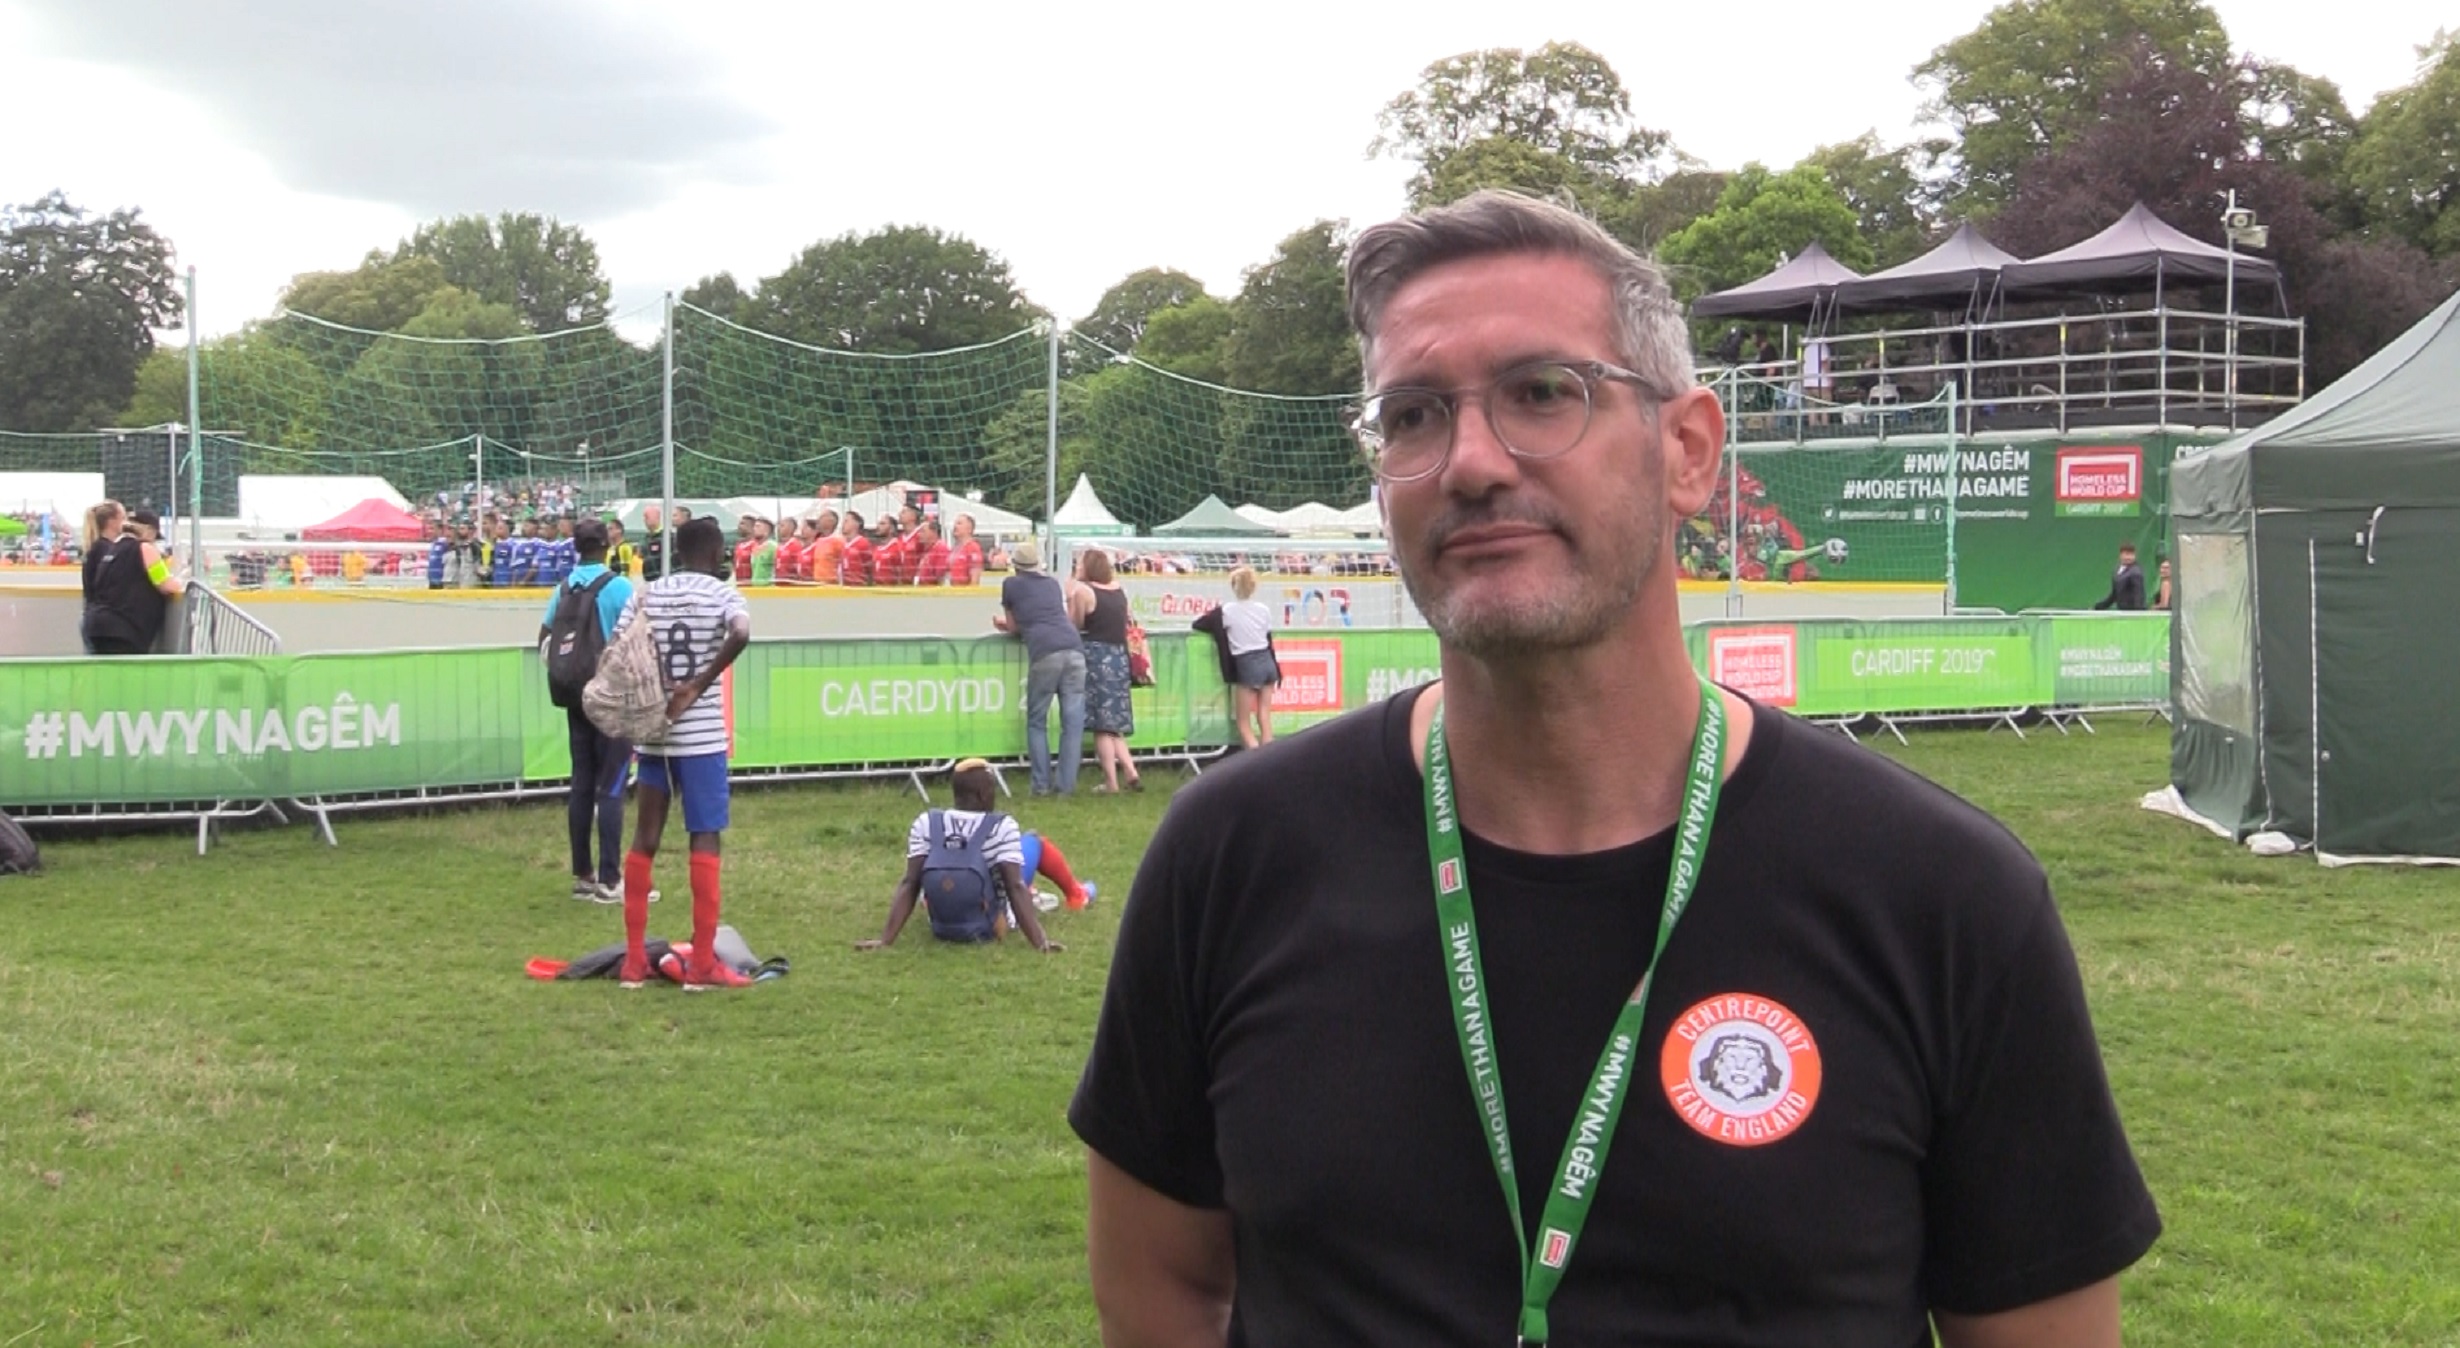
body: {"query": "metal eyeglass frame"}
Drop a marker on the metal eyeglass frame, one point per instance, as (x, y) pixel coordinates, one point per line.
(1589, 373)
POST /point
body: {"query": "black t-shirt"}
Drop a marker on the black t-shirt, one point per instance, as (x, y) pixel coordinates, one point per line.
(1870, 998)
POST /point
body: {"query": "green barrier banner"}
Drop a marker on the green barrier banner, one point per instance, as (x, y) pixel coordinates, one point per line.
(2110, 659)
(172, 728)
(169, 729)
(1849, 668)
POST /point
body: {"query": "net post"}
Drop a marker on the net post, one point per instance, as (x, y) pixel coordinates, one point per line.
(1953, 448)
(1733, 506)
(478, 472)
(1050, 457)
(196, 449)
(666, 451)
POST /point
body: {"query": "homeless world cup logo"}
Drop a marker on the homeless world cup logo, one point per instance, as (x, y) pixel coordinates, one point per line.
(2101, 480)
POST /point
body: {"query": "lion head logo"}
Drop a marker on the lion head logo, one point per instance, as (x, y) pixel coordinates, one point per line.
(1741, 1069)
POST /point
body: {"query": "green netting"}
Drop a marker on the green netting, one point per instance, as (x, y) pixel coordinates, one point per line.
(760, 416)
(138, 466)
(438, 418)
(1155, 444)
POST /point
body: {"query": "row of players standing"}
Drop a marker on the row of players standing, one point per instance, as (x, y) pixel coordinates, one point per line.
(493, 555)
(833, 548)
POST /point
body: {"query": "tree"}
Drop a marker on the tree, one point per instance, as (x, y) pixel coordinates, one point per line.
(1657, 210)
(2405, 167)
(2175, 138)
(902, 290)
(1762, 219)
(1884, 191)
(379, 295)
(1118, 320)
(720, 294)
(545, 270)
(2032, 75)
(247, 385)
(1562, 100)
(1291, 330)
(1192, 339)
(80, 298)
(1501, 161)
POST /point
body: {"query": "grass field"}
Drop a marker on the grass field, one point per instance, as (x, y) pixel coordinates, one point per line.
(298, 1095)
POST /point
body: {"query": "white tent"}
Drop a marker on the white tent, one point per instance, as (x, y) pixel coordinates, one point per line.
(1083, 515)
(871, 505)
(63, 494)
(1315, 519)
(282, 501)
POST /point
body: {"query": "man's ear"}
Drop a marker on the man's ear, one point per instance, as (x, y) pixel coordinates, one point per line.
(1691, 439)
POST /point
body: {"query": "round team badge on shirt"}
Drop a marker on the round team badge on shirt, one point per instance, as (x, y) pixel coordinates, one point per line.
(1741, 1069)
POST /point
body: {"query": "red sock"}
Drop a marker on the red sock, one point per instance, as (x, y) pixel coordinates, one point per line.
(636, 909)
(1055, 865)
(704, 908)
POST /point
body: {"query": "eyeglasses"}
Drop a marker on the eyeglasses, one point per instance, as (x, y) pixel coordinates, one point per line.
(1537, 411)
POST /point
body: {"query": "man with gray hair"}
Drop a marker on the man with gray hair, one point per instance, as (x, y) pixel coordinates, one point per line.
(1810, 1066)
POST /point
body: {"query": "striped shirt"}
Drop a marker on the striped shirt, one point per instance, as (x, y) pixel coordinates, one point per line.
(1005, 843)
(689, 613)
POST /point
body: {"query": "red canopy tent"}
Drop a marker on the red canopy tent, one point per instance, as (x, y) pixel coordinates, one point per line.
(370, 521)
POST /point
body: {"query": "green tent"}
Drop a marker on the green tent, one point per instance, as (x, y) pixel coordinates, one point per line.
(2315, 646)
(1213, 518)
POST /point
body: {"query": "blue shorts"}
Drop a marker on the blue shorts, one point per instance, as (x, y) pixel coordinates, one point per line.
(699, 779)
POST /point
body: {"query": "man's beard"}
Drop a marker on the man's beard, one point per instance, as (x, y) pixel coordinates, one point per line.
(1597, 591)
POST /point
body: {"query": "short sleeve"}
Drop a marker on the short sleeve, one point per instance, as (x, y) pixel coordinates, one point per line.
(1143, 1101)
(918, 838)
(2030, 1190)
(1006, 843)
(733, 606)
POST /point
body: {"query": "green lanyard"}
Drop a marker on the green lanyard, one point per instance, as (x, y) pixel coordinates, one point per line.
(1584, 1153)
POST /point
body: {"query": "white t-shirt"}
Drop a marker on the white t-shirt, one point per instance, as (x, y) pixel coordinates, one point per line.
(689, 613)
(1006, 842)
(1246, 621)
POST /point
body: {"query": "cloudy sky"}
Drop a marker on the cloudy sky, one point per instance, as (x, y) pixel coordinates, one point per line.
(1078, 140)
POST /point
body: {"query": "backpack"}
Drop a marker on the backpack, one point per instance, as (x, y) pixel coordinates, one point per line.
(626, 698)
(18, 854)
(574, 642)
(964, 900)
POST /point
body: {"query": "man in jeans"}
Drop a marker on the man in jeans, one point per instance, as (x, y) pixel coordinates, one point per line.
(1035, 607)
(598, 759)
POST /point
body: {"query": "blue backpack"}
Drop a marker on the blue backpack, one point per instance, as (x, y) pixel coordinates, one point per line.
(957, 883)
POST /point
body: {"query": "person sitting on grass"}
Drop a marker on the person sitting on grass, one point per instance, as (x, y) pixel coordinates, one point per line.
(967, 866)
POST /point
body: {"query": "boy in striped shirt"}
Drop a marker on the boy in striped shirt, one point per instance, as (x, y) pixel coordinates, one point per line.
(700, 624)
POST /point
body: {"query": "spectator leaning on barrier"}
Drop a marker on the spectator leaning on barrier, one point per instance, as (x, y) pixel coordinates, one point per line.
(1845, 1065)
(598, 759)
(128, 585)
(701, 624)
(1034, 606)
